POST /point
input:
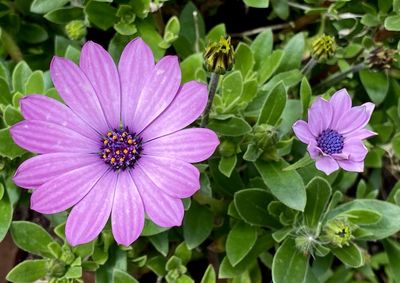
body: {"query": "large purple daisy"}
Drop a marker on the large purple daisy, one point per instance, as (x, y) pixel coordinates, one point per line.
(335, 131)
(117, 147)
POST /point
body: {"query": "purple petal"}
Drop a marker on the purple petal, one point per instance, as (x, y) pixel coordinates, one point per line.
(100, 69)
(90, 215)
(44, 137)
(319, 116)
(158, 92)
(77, 92)
(40, 107)
(369, 107)
(360, 134)
(66, 190)
(135, 66)
(355, 149)
(42, 168)
(302, 131)
(327, 164)
(190, 145)
(341, 103)
(161, 208)
(352, 166)
(354, 119)
(127, 217)
(313, 150)
(177, 178)
(188, 104)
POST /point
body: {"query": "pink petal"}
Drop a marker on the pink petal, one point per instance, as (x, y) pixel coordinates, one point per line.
(90, 215)
(319, 116)
(355, 149)
(302, 131)
(352, 166)
(42, 168)
(158, 92)
(177, 178)
(66, 190)
(127, 217)
(341, 103)
(360, 134)
(77, 92)
(40, 107)
(354, 119)
(44, 137)
(162, 209)
(190, 145)
(135, 66)
(327, 164)
(188, 104)
(100, 69)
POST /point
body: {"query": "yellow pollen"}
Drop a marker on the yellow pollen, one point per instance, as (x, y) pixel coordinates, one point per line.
(112, 159)
(104, 156)
(124, 134)
(125, 151)
(105, 141)
(117, 152)
(109, 134)
(121, 159)
(134, 150)
(130, 141)
(107, 150)
(115, 137)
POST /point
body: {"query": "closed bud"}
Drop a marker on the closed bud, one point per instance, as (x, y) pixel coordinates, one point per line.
(75, 30)
(265, 136)
(381, 58)
(323, 48)
(219, 56)
(227, 148)
(337, 232)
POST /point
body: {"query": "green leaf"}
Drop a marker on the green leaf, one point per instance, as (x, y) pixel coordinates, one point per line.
(7, 146)
(5, 94)
(209, 276)
(232, 88)
(197, 225)
(289, 264)
(102, 15)
(11, 115)
(31, 237)
(251, 205)
(376, 85)
(293, 53)
(215, 33)
(240, 241)
(160, 242)
(33, 33)
(273, 106)
(64, 15)
(148, 32)
(318, 194)
(120, 276)
(257, 3)
(190, 65)
(302, 162)
(28, 271)
(6, 213)
(244, 59)
(73, 54)
(286, 186)
(392, 23)
(35, 83)
(44, 6)
(262, 47)
(362, 216)
(270, 65)
(350, 255)
(305, 95)
(20, 75)
(233, 127)
(386, 226)
(150, 229)
(392, 249)
(227, 165)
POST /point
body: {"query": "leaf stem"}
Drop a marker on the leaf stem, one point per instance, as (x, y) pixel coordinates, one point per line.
(11, 46)
(212, 89)
(309, 66)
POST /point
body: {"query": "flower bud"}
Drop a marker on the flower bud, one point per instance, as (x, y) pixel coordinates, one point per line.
(265, 136)
(219, 56)
(323, 48)
(381, 58)
(227, 148)
(337, 232)
(75, 30)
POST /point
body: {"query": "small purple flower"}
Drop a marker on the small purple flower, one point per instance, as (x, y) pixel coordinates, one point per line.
(335, 131)
(117, 147)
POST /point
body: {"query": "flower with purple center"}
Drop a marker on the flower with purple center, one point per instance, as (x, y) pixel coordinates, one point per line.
(335, 132)
(117, 146)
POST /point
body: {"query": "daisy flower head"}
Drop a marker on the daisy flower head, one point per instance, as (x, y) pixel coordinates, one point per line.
(335, 131)
(116, 148)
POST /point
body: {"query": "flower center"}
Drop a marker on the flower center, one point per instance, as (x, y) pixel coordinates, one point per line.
(330, 141)
(120, 148)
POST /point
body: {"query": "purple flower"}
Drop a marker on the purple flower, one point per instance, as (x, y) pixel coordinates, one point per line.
(335, 131)
(117, 147)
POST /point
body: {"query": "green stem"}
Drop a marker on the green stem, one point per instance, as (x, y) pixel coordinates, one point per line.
(212, 89)
(309, 66)
(11, 46)
(341, 75)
